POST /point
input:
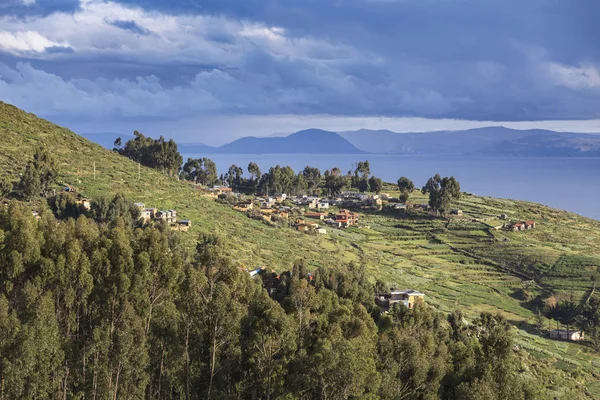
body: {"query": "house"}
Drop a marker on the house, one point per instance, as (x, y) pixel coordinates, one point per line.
(346, 217)
(530, 224)
(302, 227)
(85, 203)
(322, 205)
(222, 189)
(456, 212)
(316, 215)
(36, 215)
(185, 224)
(182, 226)
(503, 216)
(322, 231)
(570, 335)
(244, 206)
(147, 214)
(265, 205)
(312, 202)
(300, 221)
(355, 196)
(169, 216)
(408, 297)
(518, 227)
(280, 197)
(373, 202)
(141, 206)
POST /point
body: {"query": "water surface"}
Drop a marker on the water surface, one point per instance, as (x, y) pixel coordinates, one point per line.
(572, 184)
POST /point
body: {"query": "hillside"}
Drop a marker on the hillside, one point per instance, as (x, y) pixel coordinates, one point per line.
(497, 141)
(22, 132)
(464, 263)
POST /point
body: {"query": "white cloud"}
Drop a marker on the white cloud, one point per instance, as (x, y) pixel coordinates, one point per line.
(171, 39)
(23, 42)
(580, 77)
(28, 2)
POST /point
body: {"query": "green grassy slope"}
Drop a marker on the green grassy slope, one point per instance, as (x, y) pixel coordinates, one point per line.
(255, 243)
(464, 263)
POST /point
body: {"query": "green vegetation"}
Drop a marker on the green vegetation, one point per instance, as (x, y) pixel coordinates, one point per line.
(460, 262)
(153, 153)
(200, 170)
(40, 174)
(406, 187)
(442, 192)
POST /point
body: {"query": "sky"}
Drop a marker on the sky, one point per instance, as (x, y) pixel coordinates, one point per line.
(213, 70)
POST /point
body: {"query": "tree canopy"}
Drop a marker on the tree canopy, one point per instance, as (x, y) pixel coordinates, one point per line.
(95, 307)
(406, 187)
(40, 173)
(442, 192)
(153, 153)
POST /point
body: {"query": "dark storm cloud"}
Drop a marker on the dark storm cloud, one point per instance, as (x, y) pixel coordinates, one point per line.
(464, 59)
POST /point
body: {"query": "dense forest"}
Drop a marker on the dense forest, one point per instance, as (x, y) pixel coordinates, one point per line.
(105, 310)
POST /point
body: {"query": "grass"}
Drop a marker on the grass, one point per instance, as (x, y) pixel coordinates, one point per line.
(463, 263)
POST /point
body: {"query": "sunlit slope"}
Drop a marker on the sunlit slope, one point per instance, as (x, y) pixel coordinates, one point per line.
(251, 242)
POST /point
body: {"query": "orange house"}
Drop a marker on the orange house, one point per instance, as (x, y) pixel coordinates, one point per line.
(346, 217)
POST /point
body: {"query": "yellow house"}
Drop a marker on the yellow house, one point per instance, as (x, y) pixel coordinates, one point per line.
(244, 206)
(408, 297)
(85, 203)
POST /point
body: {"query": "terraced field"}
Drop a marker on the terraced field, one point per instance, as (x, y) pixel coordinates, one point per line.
(468, 264)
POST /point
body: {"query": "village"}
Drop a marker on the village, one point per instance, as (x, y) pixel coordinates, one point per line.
(313, 215)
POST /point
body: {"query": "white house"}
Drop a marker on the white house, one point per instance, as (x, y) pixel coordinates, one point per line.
(322, 205)
(571, 335)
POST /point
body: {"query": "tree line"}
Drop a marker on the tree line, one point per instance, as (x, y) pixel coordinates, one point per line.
(93, 308)
(164, 155)
(41, 174)
(153, 153)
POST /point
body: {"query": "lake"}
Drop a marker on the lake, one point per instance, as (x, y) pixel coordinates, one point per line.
(570, 184)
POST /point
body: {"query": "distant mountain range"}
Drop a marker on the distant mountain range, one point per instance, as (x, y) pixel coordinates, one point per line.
(486, 141)
(497, 141)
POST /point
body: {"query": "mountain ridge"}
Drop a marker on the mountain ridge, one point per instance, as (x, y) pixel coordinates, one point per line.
(308, 141)
(477, 141)
(486, 141)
